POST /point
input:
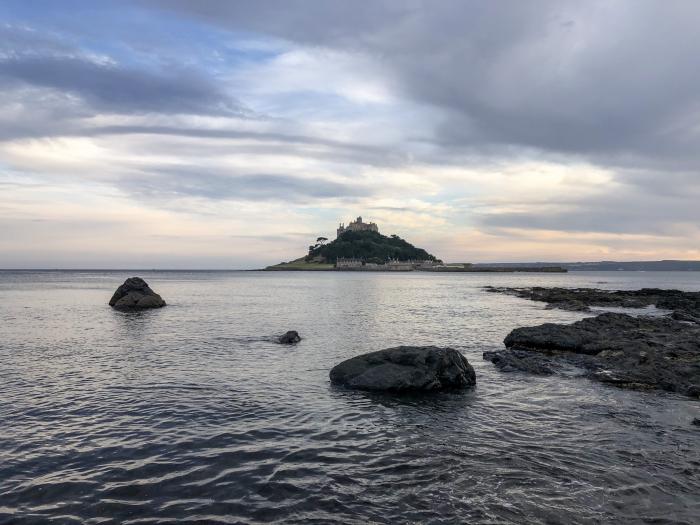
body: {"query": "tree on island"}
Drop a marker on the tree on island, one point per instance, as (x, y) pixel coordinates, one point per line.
(369, 246)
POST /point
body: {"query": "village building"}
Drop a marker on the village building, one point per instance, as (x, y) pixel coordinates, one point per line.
(424, 264)
(395, 265)
(343, 262)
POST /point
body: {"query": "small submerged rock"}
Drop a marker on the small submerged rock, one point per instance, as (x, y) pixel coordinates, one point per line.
(406, 369)
(520, 361)
(290, 338)
(135, 294)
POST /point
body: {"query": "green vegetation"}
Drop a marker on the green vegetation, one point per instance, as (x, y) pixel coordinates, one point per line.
(366, 245)
(301, 264)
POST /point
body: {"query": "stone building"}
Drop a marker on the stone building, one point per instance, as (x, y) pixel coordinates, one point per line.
(343, 262)
(356, 226)
(394, 265)
(424, 264)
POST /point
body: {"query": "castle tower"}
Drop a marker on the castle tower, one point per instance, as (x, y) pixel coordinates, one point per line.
(357, 225)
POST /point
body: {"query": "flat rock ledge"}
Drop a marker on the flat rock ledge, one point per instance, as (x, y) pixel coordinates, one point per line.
(135, 294)
(406, 369)
(685, 306)
(631, 352)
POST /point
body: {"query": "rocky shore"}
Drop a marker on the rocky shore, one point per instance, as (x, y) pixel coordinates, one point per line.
(684, 305)
(642, 352)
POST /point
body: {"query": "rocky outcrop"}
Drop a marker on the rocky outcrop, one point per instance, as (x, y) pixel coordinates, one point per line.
(290, 338)
(684, 305)
(406, 369)
(521, 361)
(634, 352)
(680, 315)
(135, 294)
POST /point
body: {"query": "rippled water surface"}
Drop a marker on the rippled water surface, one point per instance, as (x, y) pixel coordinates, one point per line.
(192, 414)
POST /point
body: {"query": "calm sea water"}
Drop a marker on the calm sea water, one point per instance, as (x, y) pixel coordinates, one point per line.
(191, 414)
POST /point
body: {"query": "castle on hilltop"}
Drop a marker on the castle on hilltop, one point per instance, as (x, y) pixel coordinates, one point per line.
(357, 226)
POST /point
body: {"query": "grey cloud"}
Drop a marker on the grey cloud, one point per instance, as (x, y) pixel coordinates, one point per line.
(308, 21)
(267, 143)
(49, 70)
(615, 82)
(168, 182)
(631, 210)
(107, 87)
(53, 115)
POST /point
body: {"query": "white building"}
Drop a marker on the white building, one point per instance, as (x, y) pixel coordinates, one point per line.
(399, 266)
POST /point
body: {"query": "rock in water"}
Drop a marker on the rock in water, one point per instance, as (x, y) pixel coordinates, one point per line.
(632, 352)
(135, 294)
(290, 338)
(406, 368)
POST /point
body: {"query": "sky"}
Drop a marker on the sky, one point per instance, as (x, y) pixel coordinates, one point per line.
(217, 134)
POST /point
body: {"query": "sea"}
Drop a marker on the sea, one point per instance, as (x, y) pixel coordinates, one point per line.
(194, 414)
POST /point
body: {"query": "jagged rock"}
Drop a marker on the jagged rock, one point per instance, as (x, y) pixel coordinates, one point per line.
(519, 360)
(290, 338)
(686, 305)
(135, 294)
(406, 368)
(680, 315)
(633, 352)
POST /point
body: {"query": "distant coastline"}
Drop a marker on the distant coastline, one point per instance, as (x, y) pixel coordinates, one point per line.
(300, 265)
(668, 265)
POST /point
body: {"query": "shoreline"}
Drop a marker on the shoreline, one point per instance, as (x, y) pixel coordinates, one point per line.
(421, 270)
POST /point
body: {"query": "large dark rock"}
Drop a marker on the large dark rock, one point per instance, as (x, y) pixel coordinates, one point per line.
(634, 352)
(290, 338)
(406, 368)
(135, 294)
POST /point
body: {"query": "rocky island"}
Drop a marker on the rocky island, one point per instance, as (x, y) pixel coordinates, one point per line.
(642, 352)
(360, 246)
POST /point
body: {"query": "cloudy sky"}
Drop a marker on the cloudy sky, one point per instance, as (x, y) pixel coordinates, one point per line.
(207, 134)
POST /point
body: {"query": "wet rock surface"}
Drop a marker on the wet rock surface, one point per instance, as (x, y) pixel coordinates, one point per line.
(406, 369)
(290, 338)
(135, 294)
(684, 305)
(641, 352)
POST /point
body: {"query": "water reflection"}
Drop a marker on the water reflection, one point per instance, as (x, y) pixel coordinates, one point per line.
(193, 412)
